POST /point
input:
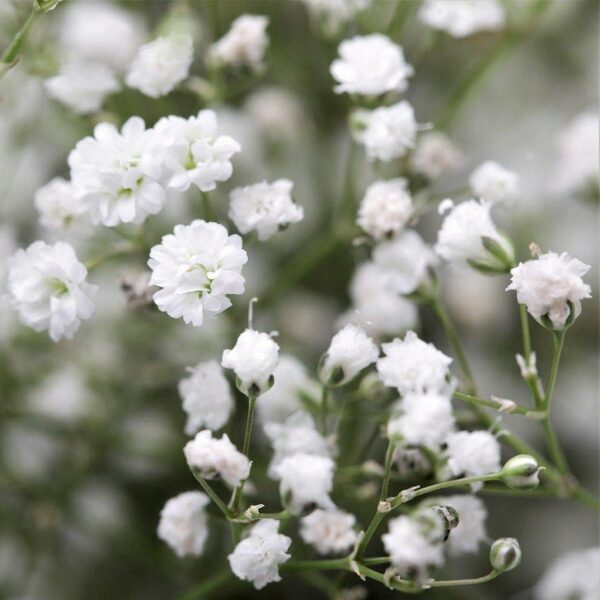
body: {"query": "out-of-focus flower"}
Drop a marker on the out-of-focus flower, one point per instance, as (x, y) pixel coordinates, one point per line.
(193, 152)
(264, 207)
(386, 208)
(351, 350)
(59, 205)
(387, 132)
(461, 18)
(160, 65)
(82, 86)
(244, 45)
(47, 287)
(494, 183)
(117, 174)
(335, 13)
(214, 456)
(197, 267)
(435, 154)
(551, 287)
(183, 523)
(206, 396)
(468, 235)
(414, 366)
(257, 557)
(329, 531)
(305, 479)
(370, 65)
(472, 453)
(253, 360)
(573, 575)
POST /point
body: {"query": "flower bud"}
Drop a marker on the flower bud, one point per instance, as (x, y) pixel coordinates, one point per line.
(45, 5)
(521, 472)
(505, 554)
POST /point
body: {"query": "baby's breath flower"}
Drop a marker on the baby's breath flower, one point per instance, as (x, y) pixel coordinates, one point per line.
(494, 183)
(461, 18)
(472, 453)
(59, 206)
(329, 531)
(435, 154)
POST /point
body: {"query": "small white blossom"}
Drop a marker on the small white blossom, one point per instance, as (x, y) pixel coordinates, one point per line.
(297, 434)
(551, 286)
(193, 152)
(404, 262)
(329, 531)
(117, 174)
(370, 65)
(472, 453)
(414, 366)
(422, 420)
(351, 350)
(461, 18)
(214, 456)
(184, 524)
(305, 479)
(435, 155)
(387, 132)
(291, 380)
(160, 65)
(257, 557)
(47, 287)
(253, 360)
(470, 532)
(197, 267)
(82, 86)
(244, 45)
(573, 575)
(460, 236)
(58, 205)
(206, 396)
(494, 183)
(386, 208)
(335, 13)
(264, 207)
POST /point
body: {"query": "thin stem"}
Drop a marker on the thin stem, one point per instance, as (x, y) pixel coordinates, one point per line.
(315, 565)
(376, 560)
(512, 408)
(205, 587)
(559, 338)
(554, 447)
(456, 582)
(11, 54)
(209, 213)
(211, 493)
(400, 16)
(525, 331)
(94, 263)
(324, 408)
(389, 456)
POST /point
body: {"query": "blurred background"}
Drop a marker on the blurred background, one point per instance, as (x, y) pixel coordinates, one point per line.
(91, 429)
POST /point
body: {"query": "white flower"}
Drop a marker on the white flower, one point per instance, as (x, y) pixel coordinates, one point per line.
(329, 531)
(206, 396)
(410, 548)
(351, 350)
(297, 434)
(305, 479)
(82, 86)
(116, 174)
(334, 13)
(422, 420)
(414, 366)
(264, 207)
(370, 65)
(387, 132)
(404, 262)
(551, 286)
(466, 537)
(214, 456)
(243, 45)
(472, 453)
(253, 360)
(47, 287)
(197, 267)
(386, 208)
(435, 155)
(493, 183)
(193, 152)
(257, 557)
(101, 32)
(573, 575)
(160, 65)
(58, 205)
(460, 236)
(461, 18)
(284, 398)
(184, 524)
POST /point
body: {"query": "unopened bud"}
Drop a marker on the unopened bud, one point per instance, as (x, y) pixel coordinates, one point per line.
(521, 472)
(253, 511)
(505, 554)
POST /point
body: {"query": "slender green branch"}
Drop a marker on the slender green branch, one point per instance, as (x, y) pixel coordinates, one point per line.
(98, 261)
(507, 406)
(456, 582)
(209, 212)
(324, 408)
(525, 331)
(11, 54)
(401, 13)
(315, 565)
(211, 493)
(554, 447)
(389, 456)
(559, 338)
(200, 591)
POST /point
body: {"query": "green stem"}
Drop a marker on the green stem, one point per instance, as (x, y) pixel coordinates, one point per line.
(554, 447)
(400, 16)
(456, 582)
(94, 263)
(389, 456)
(315, 565)
(525, 331)
(515, 408)
(209, 213)
(559, 338)
(211, 493)
(376, 560)
(324, 409)
(211, 584)
(11, 54)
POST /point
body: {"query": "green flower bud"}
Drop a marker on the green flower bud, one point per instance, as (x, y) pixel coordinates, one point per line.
(505, 554)
(45, 5)
(521, 472)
